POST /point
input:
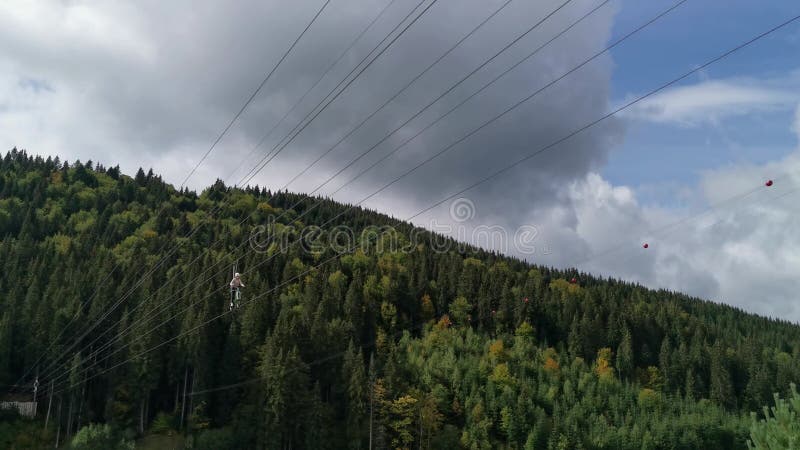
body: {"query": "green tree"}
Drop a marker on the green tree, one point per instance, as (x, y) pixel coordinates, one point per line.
(625, 355)
(5, 348)
(354, 374)
(430, 418)
(402, 414)
(523, 377)
(460, 311)
(780, 427)
(99, 437)
(721, 385)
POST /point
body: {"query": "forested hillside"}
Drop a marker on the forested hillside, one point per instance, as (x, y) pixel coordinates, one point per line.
(409, 347)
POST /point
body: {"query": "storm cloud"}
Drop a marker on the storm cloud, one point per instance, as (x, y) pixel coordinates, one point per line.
(152, 85)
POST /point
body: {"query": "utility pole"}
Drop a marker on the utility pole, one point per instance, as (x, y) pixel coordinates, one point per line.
(49, 404)
(69, 414)
(83, 396)
(371, 393)
(183, 403)
(35, 391)
(420, 427)
(191, 396)
(58, 433)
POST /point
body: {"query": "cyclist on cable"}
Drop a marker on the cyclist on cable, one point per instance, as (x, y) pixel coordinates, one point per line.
(236, 292)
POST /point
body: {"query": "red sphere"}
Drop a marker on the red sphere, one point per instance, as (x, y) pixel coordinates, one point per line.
(525, 300)
(768, 183)
(573, 281)
(646, 245)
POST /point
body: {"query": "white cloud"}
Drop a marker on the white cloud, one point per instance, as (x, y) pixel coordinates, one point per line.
(153, 84)
(148, 84)
(744, 253)
(715, 100)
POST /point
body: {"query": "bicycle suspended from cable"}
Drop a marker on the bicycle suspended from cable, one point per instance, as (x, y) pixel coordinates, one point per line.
(236, 286)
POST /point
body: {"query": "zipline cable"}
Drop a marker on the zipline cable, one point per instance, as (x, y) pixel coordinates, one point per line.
(255, 93)
(673, 224)
(194, 169)
(453, 87)
(307, 123)
(409, 84)
(461, 140)
(448, 112)
(373, 341)
(402, 90)
(276, 150)
(666, 227)
(125, 296)
(672, 227)
(612, 113)
(272, 152)
(336, 62)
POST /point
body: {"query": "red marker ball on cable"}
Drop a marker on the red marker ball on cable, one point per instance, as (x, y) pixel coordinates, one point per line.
(768, 183)
(646, 245)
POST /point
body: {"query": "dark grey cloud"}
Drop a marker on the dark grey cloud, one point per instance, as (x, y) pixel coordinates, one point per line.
(551, 115)
(152, 84)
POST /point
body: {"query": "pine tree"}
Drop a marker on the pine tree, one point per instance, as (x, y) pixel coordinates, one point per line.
(721, 387)
(59, 236)
(625, 355)
(780, 428)
(357, 385)
(5, 349)
(664, 363)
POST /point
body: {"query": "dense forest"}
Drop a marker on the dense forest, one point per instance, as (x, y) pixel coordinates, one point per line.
(381, 347)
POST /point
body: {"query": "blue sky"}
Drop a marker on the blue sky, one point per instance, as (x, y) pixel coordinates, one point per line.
(669, 154)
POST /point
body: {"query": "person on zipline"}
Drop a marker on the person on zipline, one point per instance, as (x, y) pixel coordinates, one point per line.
(236, 284)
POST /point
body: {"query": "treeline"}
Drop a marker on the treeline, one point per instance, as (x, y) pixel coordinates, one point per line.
(373, 349)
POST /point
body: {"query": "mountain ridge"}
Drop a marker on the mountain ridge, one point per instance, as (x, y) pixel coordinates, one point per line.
(513, 330)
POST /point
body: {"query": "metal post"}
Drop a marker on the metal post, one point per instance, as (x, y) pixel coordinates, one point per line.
(58, 433)
(183, 403)
(49, 404)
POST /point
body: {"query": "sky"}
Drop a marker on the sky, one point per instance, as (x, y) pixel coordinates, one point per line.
(152, 84)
